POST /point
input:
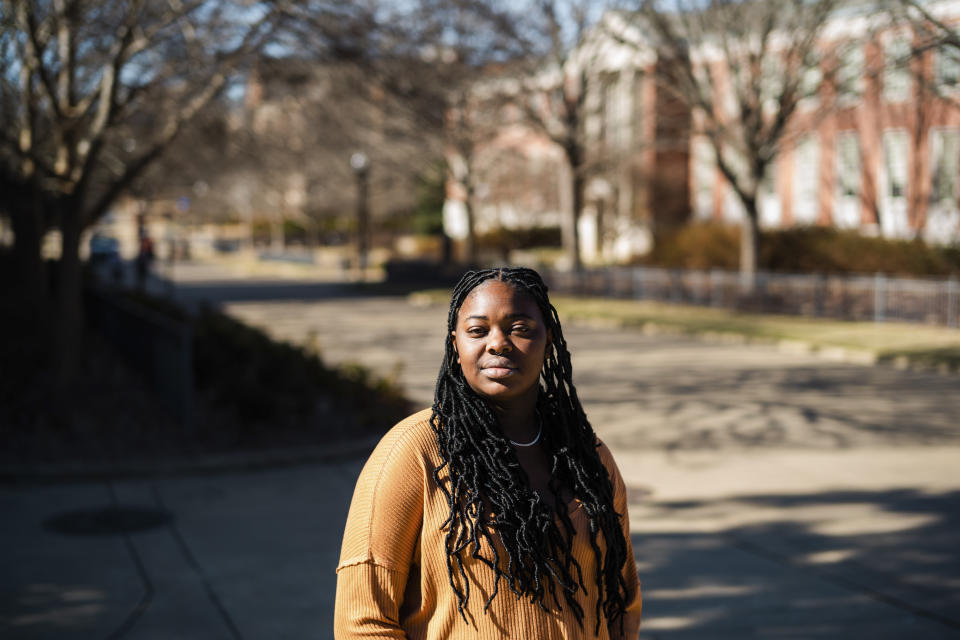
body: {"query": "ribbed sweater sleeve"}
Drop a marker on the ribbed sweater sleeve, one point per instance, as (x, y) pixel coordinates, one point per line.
(631, 621)
(379, 543)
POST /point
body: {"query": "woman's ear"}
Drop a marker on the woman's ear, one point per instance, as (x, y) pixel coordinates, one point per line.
(453, 341)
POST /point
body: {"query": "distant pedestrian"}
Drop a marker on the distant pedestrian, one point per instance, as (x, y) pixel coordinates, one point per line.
(498, 513)
(144, 261)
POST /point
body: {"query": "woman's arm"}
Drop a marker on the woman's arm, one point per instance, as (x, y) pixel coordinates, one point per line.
(379, 541)
(634, 601)
(368, 602)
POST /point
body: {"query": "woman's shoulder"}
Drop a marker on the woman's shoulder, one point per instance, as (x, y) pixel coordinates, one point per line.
(410, 439)
(604, 452)
(606, 457)
(412, 430)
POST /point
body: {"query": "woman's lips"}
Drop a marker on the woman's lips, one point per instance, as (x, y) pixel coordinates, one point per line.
(498, 372)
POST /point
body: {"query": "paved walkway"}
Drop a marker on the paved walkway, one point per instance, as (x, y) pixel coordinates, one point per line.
(773, 495)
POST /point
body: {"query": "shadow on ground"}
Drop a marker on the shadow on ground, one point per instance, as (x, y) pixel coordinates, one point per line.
(844, 564)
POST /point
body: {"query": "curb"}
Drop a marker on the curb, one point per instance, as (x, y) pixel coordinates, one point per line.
(215, 464)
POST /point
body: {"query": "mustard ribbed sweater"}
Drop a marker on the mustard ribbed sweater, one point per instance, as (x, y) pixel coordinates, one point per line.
(392, 580)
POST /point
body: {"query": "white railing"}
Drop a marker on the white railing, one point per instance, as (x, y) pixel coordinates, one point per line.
(851, 297)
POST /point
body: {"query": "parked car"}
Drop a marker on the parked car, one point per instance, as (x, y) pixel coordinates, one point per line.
(104, 249)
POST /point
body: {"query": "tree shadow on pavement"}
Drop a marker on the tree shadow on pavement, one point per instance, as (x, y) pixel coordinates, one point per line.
(838, 564)
(830, 407)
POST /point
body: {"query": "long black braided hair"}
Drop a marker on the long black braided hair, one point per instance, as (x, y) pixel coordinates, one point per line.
(482, 472)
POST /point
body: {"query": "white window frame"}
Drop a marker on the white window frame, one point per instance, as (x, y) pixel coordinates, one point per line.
(897, 79)
(806, 180)
(943, 214)
(944, 60)
(771, 212)
(811, 81)
(704, 173)
(616, 112)
(850, 83)
(846, 212)
(894, 222)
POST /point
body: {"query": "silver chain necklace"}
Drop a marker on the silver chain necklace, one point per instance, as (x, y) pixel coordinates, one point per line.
(535, 440)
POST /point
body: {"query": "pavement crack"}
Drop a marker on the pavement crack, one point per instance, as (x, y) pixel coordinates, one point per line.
(198, 570)
(147, 598)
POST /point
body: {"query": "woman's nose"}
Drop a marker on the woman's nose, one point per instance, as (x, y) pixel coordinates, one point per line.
(498, 342)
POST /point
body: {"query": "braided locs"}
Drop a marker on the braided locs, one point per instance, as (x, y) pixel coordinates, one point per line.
(482, 469)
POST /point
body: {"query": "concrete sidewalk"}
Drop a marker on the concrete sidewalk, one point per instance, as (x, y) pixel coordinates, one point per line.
(791, 544)
(244, 556)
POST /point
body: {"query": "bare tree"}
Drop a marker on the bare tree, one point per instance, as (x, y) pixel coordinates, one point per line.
(933, 31)
(557, 94)
(466, 42)
(743, 68)
(82, 81)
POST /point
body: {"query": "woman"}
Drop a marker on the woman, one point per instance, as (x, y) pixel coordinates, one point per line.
(497, 513)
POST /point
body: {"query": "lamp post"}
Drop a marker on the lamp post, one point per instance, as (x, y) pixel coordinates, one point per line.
(361, 166)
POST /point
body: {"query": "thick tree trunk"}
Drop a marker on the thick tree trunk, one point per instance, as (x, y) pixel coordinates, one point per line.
(749, 248)
(470, 248)
(572, 235)
(470, 244)
(31, 277)
(69, 320)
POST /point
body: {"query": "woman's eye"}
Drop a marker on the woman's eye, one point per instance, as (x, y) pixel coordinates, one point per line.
(476, 331)
(521, 328)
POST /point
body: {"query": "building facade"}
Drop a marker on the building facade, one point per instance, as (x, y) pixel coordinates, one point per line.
(874, 147)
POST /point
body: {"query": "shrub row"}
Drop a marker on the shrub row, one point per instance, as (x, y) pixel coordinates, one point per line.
(258, 391)
(802, 249)
(269, 384)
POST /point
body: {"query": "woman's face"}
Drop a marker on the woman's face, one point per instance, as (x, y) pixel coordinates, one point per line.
(500, 339)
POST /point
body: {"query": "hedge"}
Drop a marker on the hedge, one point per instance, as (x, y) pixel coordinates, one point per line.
(802, 249)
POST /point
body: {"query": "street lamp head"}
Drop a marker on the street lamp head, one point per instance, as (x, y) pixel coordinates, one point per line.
(359, 162)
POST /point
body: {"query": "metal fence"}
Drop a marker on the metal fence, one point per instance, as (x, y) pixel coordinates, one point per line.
(158, 347)
(877, 297)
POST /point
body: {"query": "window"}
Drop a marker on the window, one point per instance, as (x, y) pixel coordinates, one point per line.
(893, 184)
(636, 112)
(849, 170)
(616, 110)
(850, 75)
(896, 71)
(895, 163)
(947, 68)
(769, 198)
(806, 177)
(704, 176)
(810, 87)
(943, 217)
(945, 168)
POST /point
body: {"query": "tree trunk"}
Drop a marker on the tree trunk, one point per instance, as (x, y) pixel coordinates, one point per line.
(749, 248)
(30, 277)
(69, 320)
(572, 235)
(470, 244)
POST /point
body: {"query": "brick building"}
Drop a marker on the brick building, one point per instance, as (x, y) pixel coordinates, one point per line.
(875, 146)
